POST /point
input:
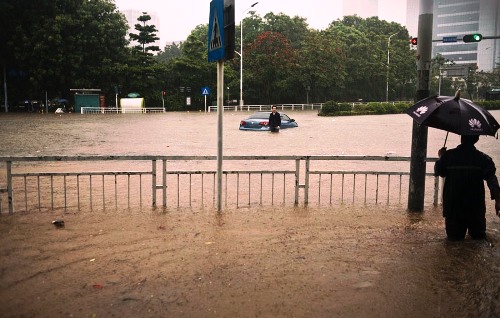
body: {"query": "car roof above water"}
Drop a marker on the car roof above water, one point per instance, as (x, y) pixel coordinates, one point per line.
(260, 115)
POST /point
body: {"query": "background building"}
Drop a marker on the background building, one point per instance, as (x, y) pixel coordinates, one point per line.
(456, 18)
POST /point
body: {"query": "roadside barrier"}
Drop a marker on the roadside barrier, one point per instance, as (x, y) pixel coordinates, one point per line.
(315, 106)
(75, 183)
(114, 110)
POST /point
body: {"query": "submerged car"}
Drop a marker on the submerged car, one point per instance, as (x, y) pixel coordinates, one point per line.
(260, 121)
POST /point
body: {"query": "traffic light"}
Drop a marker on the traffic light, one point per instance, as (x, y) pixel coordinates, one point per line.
(472, 37)
(229, 29)
(413, 41)
(163, 93)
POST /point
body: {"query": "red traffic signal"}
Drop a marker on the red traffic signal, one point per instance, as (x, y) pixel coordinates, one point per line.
(413, 41)
(164, 93)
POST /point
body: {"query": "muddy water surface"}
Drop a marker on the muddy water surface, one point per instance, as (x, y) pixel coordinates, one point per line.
(348, 261)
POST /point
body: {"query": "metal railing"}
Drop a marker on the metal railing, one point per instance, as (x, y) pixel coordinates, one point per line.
(125, 182)
(114, 110)
(315, 106)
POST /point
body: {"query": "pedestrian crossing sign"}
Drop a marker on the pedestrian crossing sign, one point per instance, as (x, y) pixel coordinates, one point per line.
(216, 31)
(205, 90)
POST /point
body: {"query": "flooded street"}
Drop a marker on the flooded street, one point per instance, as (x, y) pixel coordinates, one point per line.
(259, 261)
(183, 133)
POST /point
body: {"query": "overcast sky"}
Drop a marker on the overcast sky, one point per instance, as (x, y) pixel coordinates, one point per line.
(179, 18)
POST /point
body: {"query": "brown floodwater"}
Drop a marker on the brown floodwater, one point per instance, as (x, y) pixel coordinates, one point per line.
(388, 262)
(195, 133)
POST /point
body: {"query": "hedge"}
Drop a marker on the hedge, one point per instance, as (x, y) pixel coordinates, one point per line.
(332, 108)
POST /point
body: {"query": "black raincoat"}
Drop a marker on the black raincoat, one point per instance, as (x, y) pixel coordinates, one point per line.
(465, 168)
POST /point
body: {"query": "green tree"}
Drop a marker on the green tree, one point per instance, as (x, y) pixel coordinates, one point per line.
(294, 29)
(143, 69)
(171, 51)
(253, 25)
(62, 44)
(440, 83)
(190, 70)
(364, 42)
(488, 80)
(271, 59)
(322, 69)
(472, 82)
(146, 35)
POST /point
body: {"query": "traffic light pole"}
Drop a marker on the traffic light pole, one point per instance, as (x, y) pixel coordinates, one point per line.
(416, 191)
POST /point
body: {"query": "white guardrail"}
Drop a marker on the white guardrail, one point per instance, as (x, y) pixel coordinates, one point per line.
(124, 182)
(114, 110)
(316, 106)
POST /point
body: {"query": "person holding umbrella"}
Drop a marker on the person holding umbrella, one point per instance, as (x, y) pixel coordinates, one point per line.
(464, 208)
(464, 168)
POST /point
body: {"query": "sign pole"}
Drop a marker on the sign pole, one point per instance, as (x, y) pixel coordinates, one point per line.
(220, 48)
(205, 103)
(220, 112)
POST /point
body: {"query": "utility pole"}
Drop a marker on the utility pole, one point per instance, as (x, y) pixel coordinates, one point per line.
(418, 162)
(388, 63)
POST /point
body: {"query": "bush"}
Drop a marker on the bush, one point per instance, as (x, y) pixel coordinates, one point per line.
(401, 107)
(378, 108)
(332, 108)
(489, 104)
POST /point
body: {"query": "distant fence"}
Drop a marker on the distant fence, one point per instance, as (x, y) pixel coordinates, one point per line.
(114, 110)
(292, 107)
(128, 182)
(316, 106)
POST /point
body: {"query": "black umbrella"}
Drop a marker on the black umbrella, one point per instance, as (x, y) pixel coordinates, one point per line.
(454, 114)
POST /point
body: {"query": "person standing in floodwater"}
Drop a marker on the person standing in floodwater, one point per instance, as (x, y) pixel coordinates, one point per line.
(274, 120)
(464, 207)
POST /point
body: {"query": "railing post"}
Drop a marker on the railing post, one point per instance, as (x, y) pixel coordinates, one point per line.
(9, 187)
(297, 181)
(436, 190)
(164, 181)
(306, 185)
(153, 182)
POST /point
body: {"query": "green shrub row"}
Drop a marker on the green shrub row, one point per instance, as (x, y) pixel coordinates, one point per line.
(489, 104)
(332, 108)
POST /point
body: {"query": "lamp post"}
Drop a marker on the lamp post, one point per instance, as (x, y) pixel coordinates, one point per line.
(388, 61)
(241, 52)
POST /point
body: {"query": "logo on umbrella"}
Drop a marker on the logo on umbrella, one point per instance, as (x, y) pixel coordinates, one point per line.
(475, 124)
(421, 110)
(454, 114)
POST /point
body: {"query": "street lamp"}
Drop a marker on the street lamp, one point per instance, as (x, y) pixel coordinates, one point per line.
(241, 52)
(388, 61)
